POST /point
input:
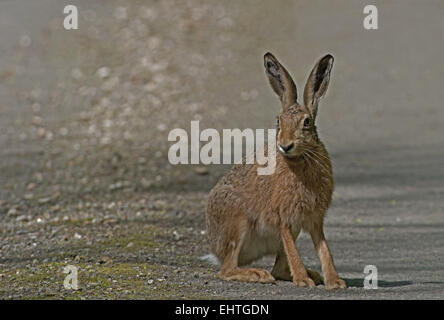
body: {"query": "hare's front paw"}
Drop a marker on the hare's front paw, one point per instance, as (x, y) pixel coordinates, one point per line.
(335, 283)
(304, 282)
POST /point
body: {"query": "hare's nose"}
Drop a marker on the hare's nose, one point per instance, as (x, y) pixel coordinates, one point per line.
(286, 148)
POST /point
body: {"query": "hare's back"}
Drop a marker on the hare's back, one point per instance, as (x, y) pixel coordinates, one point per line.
(237, 188)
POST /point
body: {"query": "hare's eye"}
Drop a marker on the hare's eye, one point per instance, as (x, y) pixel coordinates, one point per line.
(277, 122)
(307, 122)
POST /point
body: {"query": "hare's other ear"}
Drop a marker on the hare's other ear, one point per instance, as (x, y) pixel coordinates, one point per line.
(280, 80)
(317, 83)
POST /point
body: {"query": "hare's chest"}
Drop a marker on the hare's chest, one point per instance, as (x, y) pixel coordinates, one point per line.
(307, 201)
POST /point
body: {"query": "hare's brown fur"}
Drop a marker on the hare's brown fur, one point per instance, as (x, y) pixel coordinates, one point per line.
(251, 215)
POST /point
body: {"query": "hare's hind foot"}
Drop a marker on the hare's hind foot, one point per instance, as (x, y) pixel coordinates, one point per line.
(247, 275)
(281, 271)
(286, 276)
(315, 276)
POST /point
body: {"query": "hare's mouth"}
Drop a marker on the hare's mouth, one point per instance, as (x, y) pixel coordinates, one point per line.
(290, 150)
(292, 155)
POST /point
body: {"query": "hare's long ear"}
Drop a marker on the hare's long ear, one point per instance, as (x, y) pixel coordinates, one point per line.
(317, 83)
(280, 81)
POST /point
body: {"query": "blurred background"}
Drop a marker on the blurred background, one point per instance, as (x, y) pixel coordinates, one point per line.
(85, 115)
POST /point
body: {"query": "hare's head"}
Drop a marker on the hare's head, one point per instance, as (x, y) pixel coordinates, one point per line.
(296, 122)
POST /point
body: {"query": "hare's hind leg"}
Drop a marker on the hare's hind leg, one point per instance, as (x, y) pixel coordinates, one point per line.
(281, 270)
(231, 271)
(315, 276)
(247, 275)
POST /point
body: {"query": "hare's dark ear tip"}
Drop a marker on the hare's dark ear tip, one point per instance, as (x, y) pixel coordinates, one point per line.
(328, 57)
(270, 61)
(326, 63)
(269, 56)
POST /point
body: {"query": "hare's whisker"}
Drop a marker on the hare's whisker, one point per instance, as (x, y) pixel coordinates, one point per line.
(317, 160)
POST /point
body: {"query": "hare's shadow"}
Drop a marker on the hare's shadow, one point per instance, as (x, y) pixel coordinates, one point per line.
(359, 283)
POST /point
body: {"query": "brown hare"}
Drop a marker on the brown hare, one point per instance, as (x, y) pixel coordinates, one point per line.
(250, 215)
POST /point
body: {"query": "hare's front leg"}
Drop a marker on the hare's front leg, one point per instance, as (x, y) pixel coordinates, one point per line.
(231, 271)
(332, 280)
(298, 271)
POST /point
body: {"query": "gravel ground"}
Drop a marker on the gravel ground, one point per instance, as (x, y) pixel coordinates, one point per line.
(85, 115)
